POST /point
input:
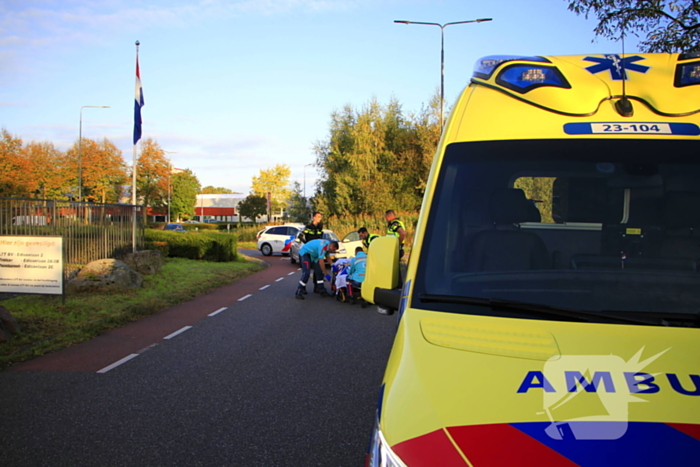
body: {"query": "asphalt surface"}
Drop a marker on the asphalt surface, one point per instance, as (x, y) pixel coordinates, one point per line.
(244, 376)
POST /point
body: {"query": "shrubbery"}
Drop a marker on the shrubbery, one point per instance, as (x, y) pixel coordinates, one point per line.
(210, 246)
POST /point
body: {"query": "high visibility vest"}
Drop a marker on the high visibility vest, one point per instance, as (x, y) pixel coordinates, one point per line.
(368, 240)
(313, 232)
(394, 226)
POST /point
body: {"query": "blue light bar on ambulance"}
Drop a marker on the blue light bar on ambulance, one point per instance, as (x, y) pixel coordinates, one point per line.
(484, 67)
(524, 78)
(687, 74)
(688, 56)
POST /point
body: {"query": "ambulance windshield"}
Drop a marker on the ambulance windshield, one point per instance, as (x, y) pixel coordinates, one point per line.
(592, 225)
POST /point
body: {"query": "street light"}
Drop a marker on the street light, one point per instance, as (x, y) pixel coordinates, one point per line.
(170, 172)
(80, 147)
(442, 53)
(307, 165)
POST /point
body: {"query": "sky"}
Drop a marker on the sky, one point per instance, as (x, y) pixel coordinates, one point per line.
(233, 87)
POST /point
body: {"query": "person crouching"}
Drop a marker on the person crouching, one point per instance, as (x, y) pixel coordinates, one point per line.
(313, 255)
(356, 275)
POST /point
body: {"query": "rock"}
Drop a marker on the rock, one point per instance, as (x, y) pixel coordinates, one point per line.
(8, 324)
(145, 262)
(105, 274)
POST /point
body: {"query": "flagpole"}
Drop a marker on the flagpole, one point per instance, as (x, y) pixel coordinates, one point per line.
(133, 201)
(133, 163)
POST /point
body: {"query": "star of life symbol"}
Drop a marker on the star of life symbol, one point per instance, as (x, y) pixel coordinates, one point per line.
(617, 66)
(587, 406)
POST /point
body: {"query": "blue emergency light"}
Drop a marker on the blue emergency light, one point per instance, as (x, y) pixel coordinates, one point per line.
(524, 78)
(484, 67)
(687, 74)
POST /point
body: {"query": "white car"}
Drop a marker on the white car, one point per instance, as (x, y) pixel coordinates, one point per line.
(351, 241)
(327, 235)
(277, 238)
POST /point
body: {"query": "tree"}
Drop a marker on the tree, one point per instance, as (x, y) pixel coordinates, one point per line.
(299, 210)
(210, 190)
(253, 206)
(13, 167)
(376, 158)
(152, 175)
(48, 171)
(103, 170)
(184, 187)
(666, 25)
(276, 182)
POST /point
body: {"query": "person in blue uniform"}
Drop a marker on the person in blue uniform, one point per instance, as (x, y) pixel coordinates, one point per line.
(313, 255)
(356, 274)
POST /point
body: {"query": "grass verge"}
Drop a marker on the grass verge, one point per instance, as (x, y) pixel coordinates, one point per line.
(47, 324)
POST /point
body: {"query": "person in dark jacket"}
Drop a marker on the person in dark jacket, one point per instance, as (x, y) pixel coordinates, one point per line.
(314, 230)
(395, 228)
(366, 237)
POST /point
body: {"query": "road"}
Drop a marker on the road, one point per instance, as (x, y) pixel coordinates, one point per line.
(244, 376)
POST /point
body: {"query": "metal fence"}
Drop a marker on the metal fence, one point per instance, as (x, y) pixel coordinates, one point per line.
(90, 231)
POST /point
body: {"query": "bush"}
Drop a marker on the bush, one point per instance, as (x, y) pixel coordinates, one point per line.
(161, 246)
(210, 246)
(249, 233)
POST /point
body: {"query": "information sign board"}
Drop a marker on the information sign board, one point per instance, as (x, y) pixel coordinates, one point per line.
(31, 265)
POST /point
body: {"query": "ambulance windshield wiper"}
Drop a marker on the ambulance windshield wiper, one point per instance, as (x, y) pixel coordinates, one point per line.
(565, 314)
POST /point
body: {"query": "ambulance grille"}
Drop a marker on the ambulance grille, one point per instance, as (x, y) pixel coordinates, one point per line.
(494, 339)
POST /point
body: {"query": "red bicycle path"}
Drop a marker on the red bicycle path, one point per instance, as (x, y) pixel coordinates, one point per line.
(137, 336)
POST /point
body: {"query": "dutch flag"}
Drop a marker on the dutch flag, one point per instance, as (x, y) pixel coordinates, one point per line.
(138, 103)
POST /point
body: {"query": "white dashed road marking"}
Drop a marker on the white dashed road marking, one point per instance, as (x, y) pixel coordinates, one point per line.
(178, 332)
(217, 311)
(117, 363)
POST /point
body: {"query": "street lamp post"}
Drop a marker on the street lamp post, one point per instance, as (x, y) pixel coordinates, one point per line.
(80, 147)
(442, 53)
(170, 172)
(307, 165)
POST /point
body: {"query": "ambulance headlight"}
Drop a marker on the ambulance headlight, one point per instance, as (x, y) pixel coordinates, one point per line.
(380, 454)
(687, 74)
(524, 78)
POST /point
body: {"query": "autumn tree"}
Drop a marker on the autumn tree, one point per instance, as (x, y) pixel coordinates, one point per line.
(252, 207)
(274, 181)
(35, 170)
(13, 167)
(184, 188)
(152, 175)
(103, 170)
(48, 170)
(664, 25)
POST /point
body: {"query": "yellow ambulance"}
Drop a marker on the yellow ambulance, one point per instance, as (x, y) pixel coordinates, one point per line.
(550, 312)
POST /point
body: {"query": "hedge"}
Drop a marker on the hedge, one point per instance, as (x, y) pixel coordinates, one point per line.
(209, 246)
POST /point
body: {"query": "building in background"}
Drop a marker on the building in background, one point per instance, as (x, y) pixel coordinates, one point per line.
(222, 208)
(213, 208)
